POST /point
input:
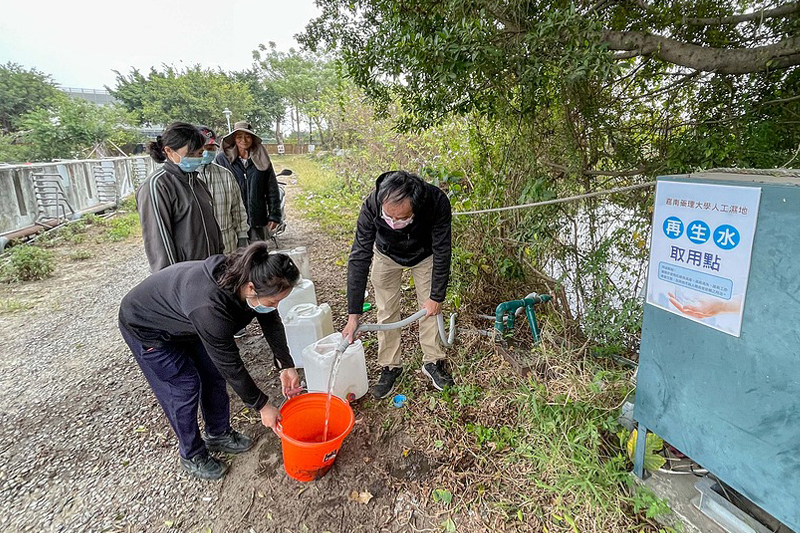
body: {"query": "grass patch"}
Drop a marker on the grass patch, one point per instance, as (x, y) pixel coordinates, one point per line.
(71, 233)
(545, 452)
(28, 263)
(327, 198)
(80, 255)
(121, 227)
(10, 306)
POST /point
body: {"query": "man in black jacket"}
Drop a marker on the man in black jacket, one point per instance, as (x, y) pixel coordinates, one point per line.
(246, 157)
(404, 224)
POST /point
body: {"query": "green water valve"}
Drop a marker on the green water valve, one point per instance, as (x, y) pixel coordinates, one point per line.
(506, 313)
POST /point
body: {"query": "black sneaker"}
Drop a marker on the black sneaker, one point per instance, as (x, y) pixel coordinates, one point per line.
(440, 377)
(204, 466)
(230, 442)
(239, 334)
(385, 384)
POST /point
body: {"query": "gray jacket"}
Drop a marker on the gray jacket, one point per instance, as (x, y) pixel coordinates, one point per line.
(177, 216)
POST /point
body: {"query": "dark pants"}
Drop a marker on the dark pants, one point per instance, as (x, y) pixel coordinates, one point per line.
(257, 233)
(181, 376)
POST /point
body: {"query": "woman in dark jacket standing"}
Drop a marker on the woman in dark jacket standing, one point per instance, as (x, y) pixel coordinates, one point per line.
(245, 156)
(175, 207)
(179, 323)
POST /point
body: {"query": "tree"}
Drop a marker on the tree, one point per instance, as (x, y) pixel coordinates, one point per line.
(300, 78)
(636, 73)
(194, 95)
(566, 97)
(72, 128)
(268, 109)
(22, 91)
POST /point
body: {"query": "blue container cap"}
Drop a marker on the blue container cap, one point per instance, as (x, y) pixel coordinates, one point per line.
(399, 400)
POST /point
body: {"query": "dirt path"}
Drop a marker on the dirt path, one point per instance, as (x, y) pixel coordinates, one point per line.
(85, 447)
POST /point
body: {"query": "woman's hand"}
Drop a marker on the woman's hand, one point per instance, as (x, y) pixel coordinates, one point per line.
(270, 416)
(290, 383)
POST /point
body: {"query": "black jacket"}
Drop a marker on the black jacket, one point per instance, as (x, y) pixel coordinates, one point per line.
(259, 188)
(429, 233)
(184, 303)
(177, 217)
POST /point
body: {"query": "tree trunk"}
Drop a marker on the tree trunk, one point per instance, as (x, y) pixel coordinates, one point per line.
(783, 54)
(297, 123)
(278, 135)
(320, 132)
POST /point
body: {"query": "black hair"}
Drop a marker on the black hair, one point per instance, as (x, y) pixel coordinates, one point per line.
(176, 136)
(270, 274)
(401, 185)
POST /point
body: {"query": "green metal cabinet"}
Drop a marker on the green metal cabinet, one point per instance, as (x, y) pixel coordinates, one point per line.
(733, 404)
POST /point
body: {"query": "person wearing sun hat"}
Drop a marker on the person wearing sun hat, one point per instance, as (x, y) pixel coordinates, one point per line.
(228, 206)
(246, 157)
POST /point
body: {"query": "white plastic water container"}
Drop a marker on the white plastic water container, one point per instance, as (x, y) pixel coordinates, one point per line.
(352, 375)
(306, 324)
(300, 257)
(302, 293)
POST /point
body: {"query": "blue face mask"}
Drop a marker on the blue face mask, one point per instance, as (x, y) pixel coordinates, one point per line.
(259, 308)
(190, 164)
(208, 157)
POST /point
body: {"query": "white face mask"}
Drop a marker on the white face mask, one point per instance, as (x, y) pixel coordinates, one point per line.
(259, 308)
(396, 224)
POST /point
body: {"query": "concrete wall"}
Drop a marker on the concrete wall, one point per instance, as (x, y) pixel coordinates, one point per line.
(86, 184)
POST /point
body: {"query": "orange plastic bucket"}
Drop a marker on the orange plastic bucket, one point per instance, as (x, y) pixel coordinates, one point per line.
(301, 428)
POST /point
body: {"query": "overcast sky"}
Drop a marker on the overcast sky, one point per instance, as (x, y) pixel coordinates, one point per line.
(80, 42)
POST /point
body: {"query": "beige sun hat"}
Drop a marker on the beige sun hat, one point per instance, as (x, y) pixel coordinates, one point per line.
(258, 152)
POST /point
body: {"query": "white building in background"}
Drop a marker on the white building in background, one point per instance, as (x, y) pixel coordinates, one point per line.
(95, 96)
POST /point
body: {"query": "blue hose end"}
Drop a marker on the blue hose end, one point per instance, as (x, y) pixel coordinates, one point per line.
(399, 400)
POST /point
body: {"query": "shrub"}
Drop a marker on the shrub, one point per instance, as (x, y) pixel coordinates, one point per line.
(122, 227)
(29, 263)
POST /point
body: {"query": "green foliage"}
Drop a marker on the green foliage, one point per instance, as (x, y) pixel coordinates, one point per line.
(325, 200)
(11, 306)
(527, 101)
(68, 128)
(23, 91)
(443, 496)
(653, 443)
(268, 106)
(300, 78)
(80, 255)
(195, 95)
(28, 263)
(652, 506)
(128, 204)
(121, 227)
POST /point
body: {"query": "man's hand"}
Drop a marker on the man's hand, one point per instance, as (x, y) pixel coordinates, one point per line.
(271, 225)
(349, 332)
(270, 416)
(243, 242)
(432, 308)
(290, 383)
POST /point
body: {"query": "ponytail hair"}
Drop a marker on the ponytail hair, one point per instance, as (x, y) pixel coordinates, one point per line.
(176, 136)
(270, 274)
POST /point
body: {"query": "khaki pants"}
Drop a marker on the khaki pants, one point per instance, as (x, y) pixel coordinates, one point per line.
(386, 278)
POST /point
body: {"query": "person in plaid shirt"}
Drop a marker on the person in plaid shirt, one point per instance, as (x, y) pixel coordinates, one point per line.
(229, 209)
